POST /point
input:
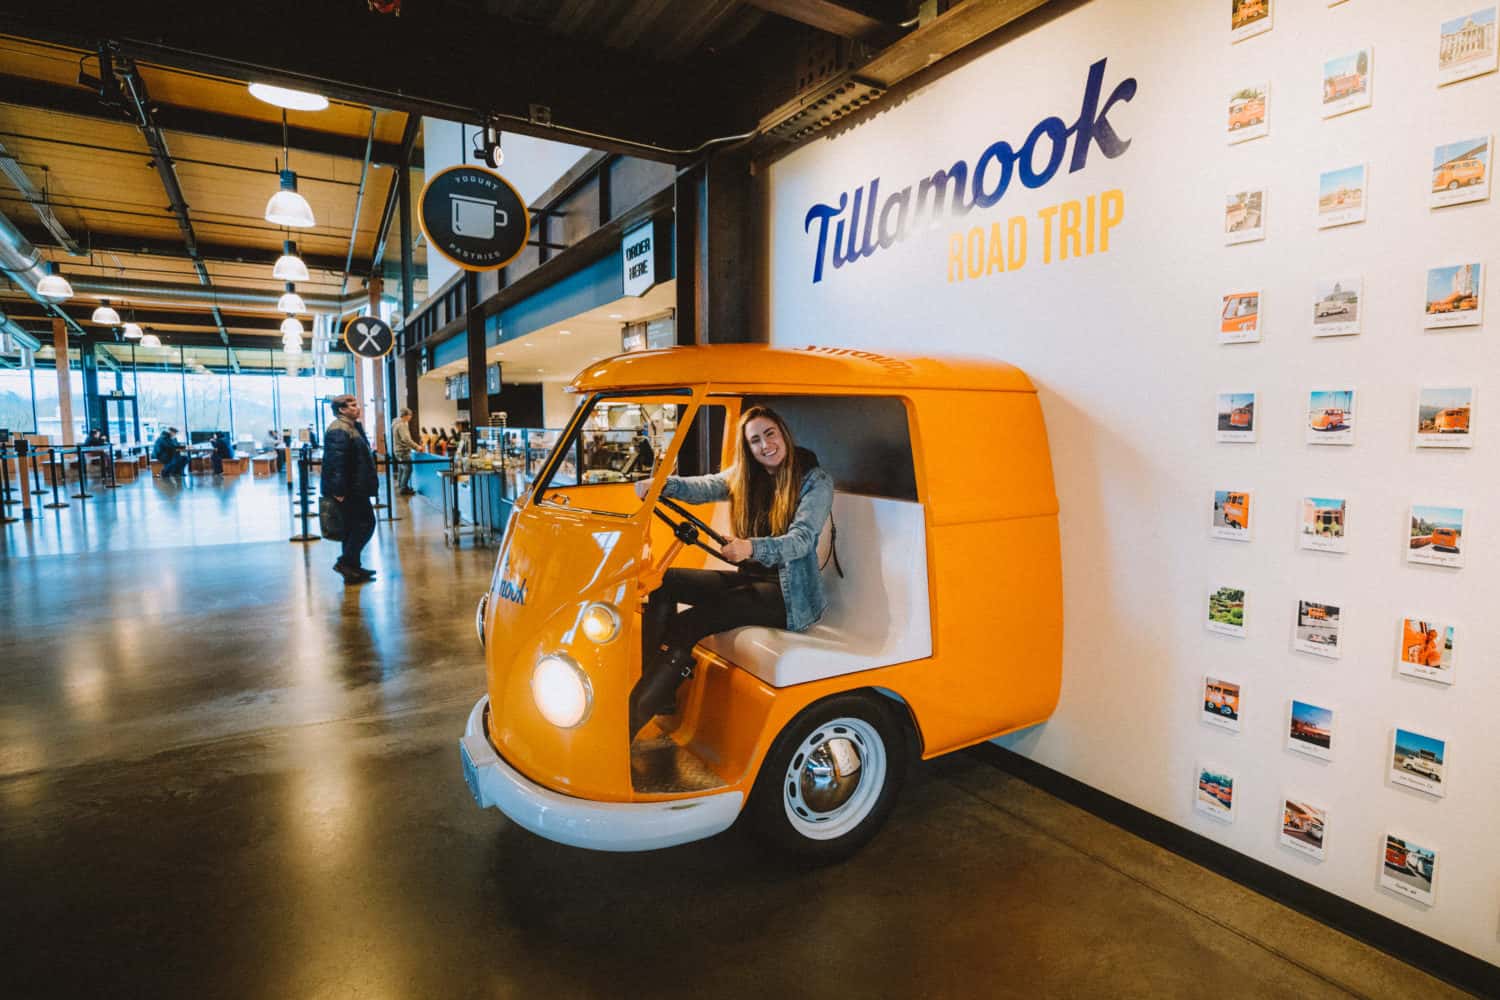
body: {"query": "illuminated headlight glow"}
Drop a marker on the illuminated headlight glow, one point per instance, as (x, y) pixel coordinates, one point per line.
(561, 691)
(479, 616)
(601, 622)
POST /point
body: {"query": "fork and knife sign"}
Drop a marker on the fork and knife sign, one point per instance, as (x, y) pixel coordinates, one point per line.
(368, 337)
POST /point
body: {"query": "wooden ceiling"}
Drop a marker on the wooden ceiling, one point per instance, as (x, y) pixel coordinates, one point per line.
(97, 174)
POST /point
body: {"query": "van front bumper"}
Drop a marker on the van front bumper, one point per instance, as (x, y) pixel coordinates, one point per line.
(598, 826)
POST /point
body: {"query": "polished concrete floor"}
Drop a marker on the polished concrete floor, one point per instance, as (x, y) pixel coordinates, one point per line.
(225, 774)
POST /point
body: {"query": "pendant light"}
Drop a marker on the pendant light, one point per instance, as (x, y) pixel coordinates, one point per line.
(287, 207)
(133, 332)
(150, 340)
(289, 266)
(292, 327)
(288, 99)
(104, 315)
(291, 344)
(290, 301)
(53, 285)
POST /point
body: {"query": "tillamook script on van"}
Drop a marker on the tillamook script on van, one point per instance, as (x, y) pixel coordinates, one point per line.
(856, 237)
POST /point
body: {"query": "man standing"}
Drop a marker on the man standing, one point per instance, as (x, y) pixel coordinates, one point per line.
(402, 445)
(349, 478)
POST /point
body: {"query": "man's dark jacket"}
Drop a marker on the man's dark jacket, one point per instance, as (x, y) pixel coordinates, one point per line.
(348, 462)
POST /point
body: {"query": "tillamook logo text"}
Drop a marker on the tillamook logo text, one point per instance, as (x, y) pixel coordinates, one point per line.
(858, 234)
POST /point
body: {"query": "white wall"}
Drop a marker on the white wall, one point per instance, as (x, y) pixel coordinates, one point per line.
(1122, 347)
(558, 403)
(432, 409)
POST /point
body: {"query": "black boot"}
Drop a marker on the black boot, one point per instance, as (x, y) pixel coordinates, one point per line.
(656, 692)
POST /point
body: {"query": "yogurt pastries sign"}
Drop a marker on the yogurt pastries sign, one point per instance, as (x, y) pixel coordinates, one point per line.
(474, 217)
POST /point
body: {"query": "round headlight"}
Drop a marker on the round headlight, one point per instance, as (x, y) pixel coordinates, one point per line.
(561, 690)
(601, 622)
(479, 616)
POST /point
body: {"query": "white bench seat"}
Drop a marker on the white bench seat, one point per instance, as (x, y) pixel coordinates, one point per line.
(878, 611)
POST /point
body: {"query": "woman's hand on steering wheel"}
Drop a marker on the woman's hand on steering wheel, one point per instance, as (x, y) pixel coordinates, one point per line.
(642, 487)
(736, 550)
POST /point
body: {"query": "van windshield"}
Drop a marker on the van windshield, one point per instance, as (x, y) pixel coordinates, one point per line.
(618, 441)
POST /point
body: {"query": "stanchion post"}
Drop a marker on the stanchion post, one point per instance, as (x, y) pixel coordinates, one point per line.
(109, 467)
(390, 494)
(5, 517)
(23, 448)
(304, 461)
(52, 474)
(83, 475)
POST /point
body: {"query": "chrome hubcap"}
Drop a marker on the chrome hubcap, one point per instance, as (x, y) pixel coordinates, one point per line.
(830, 774)
(834, 778)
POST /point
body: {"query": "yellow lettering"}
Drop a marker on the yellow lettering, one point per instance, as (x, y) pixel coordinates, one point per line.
(976, 252)
(955, 258)
(1046, 215)
(1068, 228)
(1089, 224)
(1112, 211)
(1017, 242)
(997, 251)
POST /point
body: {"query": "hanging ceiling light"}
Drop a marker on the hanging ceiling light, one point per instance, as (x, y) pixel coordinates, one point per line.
(288, 99)
(133, 332)
(292, 345)
(292, 327)
(287, 207)
(54, 285)
(289, 266)
(104, 315)
(290, 301)
(150, 340)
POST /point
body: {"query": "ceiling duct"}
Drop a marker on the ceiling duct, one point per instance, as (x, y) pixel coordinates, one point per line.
(24, 263)
(143, 292)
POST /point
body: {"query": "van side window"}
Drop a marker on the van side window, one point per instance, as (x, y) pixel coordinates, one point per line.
(864, 442)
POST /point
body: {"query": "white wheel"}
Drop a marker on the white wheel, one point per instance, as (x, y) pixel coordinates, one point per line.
(834, 779)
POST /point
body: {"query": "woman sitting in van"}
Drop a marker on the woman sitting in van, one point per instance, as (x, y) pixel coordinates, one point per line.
(779, 501)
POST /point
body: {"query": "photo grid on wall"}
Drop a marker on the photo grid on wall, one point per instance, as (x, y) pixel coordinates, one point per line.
(1464, 45)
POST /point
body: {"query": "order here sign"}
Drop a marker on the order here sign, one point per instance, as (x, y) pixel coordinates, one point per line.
(638, 252)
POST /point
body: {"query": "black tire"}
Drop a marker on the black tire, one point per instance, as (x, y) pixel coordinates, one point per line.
(870, 726)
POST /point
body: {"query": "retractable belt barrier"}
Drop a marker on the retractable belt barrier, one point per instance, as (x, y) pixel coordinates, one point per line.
(390, 496)
(52, 474)
(302, 499)
(5, 517)
(83, 474)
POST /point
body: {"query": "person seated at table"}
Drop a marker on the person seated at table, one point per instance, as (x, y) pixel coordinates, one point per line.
(168, 451)
(222, 450)
(96, 438)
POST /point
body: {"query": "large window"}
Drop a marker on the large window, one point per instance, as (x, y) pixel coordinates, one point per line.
(16, 412)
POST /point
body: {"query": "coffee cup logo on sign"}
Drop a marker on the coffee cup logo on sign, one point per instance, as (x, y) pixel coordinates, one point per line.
(474, 217)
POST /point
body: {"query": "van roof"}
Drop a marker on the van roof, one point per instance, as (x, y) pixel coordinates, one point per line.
(795, 368)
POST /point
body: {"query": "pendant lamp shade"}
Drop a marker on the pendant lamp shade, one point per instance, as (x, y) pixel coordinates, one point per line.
(291, 344)
(53, 285)
(291, 327)
(104, 315)
(289, 266)
(150, 340)
(290, 301)
(287, 207)
(133, 332)
(285, 97)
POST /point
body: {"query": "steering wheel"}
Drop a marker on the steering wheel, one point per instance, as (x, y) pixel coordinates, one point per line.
(686, 531)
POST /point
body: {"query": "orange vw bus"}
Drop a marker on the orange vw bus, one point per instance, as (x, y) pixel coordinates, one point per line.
(1445, 539)
(1247, 113)
(807, 734)
(1454, 420)
(1458, 173)
(1328, 419)
(1237, 510)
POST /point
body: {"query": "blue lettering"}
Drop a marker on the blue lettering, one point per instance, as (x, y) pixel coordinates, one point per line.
(1093, 125)
(1054, 129)
(1002, 154)
(822, 213)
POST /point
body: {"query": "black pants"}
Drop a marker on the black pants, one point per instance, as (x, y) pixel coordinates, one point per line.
(720, 601)
(359, 525)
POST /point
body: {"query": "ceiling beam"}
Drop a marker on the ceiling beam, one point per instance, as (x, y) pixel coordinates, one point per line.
(146, 316)
(408, 143)
(835, 18)
(38, 202)
(82, 102)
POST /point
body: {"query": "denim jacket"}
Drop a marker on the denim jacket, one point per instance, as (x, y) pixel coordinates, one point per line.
(794, 554)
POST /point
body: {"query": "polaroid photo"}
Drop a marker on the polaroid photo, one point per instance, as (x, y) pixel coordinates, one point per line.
(1461, 172)
(1324, 524)
(1248, 18)
(1437, 536)
(1221, 704)
(1310, 730)
(1245, 217)
(1427, 650)
(1236, 417)
(1304, 827)
(1455, 296)
(1249, 113)
(1467, 46)
(1342, 196)
(1239, 320)
(1226, 611)
(1419, 762)
(1337, 304)
(1231, 515)
(1408, 869)
(1347, 82)
(1330, 416)
(1444, 417)
(1215, 794)
(1317, 630)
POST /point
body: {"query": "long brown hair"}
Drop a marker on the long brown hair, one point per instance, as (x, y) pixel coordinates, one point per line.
(762, 503)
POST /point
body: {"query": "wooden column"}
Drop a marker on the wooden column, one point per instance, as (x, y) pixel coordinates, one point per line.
(479, 400)
(64, 382)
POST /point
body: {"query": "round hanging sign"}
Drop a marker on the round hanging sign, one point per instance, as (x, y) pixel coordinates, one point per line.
(474, 217)
(369, 337)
